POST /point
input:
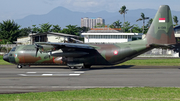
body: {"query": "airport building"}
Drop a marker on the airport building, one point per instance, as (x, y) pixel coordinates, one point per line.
(177, 33)
(91, 22)
(109, 35)
(46, 37)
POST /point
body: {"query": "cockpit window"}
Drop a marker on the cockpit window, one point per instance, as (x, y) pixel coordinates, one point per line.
(13, 49)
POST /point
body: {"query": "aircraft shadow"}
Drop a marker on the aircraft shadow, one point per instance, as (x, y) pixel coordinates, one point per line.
(103, 67)
(106, 67)
(85, 69)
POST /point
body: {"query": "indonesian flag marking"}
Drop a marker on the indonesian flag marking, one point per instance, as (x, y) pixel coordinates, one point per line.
(162, 19)
(115, 52)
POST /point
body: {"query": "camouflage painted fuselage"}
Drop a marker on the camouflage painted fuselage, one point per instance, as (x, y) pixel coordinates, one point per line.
(102, 54)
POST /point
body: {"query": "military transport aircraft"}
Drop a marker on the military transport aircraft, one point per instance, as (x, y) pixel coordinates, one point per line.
(160, 34)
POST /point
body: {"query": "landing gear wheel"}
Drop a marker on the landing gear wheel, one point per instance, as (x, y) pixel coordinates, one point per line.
(19, 66)
(71, 67)
(87, 66)
(79, 67)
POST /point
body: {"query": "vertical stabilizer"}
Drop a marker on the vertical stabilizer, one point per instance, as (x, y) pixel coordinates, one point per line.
(161, 30)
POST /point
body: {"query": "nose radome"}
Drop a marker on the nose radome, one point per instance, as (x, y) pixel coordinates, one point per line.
(6, 58)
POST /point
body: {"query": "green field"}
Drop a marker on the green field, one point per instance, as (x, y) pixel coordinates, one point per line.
(2, 62)
(100, 94)
(153, 62)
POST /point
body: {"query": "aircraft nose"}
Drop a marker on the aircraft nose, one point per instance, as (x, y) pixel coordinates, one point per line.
(6, 58)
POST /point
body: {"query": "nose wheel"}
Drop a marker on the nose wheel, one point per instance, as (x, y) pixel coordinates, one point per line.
(75, 67)
(19, 66)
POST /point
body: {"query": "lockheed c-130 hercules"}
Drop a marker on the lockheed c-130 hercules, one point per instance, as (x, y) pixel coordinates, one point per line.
(160, 34)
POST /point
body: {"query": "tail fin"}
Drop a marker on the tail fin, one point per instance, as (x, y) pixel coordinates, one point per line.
(161, 30)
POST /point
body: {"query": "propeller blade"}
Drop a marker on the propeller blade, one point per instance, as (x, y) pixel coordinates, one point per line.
(37, 49)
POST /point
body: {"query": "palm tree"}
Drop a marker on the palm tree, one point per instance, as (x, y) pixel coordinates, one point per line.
(143, 18)
(117, 24)
(175, 19)
(123, 11)
(9, 31)
(149, 22)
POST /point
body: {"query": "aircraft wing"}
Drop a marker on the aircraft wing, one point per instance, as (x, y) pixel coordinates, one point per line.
(68, 45)
(64, 49)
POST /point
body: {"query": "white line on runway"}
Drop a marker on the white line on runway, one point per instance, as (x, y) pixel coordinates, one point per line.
(78, 72)
(74, 74)
(51, 75)
(31, 72)
(47, 74)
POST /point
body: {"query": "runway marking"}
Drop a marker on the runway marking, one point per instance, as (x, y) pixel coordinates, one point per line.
(77, 73)
(31, 72)
(47, 74)
(74, 74)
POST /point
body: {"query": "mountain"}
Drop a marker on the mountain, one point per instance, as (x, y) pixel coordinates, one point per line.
(64, 17)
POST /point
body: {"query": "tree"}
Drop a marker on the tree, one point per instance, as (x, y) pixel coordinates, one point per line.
(143, 18)
(117, 24)
(71, 29)
(175, 20)
(9, 31)
(123, 11)
(127, 27)
(25, 31)
(46, 27)
(149, 22)
(136, 29)
(84, 29)
(56, 28)
(35, 29)
(112, 26)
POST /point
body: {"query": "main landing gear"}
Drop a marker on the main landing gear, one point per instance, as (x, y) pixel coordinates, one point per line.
(19, 66)
(79, 67)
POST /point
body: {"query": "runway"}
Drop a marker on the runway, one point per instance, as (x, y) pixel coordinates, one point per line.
(51, 78)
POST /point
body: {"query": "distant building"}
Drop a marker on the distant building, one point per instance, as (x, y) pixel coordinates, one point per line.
(46, 37)
(109, 35)
(177, 33)
(91, 22)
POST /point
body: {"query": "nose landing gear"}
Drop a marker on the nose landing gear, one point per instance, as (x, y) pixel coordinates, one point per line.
(19, 66)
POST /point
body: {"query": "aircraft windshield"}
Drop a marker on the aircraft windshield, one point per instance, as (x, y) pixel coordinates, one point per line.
(13, 49)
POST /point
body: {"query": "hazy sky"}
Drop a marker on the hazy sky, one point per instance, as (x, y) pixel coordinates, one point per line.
(17, 9)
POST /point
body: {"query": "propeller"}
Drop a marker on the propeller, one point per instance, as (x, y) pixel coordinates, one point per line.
(37, 48)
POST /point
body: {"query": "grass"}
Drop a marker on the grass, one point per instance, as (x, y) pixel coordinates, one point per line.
(100, 94)
(2, 62)
(153, 62)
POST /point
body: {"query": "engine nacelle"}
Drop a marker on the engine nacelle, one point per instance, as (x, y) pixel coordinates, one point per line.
(59, 60)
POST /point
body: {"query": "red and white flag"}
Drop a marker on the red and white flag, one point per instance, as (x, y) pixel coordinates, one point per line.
(162, 19)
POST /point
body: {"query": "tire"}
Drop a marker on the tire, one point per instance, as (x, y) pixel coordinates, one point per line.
(71, 67)
(87, 66)
(19, 66)
(79, 67)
